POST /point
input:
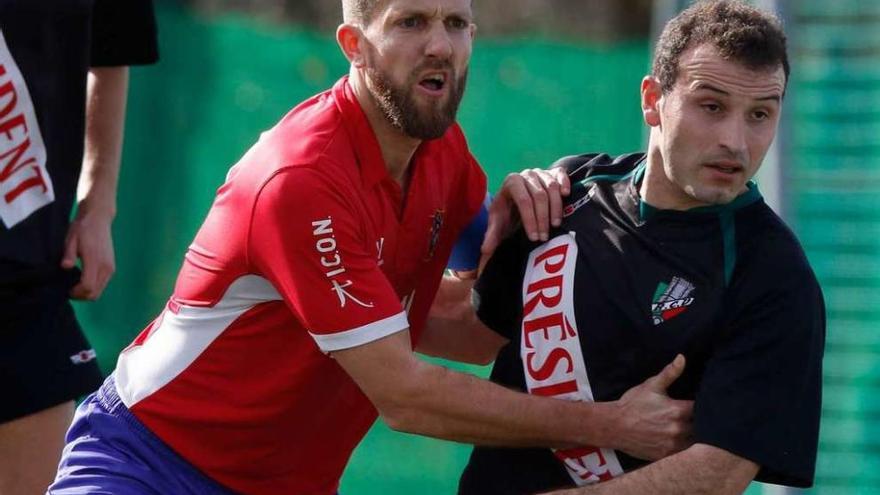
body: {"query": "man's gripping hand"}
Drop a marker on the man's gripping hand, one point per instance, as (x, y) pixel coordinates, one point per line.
(89, 239)
(537, 195)
(652, 425)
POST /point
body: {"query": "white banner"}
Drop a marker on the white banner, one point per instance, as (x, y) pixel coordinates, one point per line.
(25, 184)
(551, 353)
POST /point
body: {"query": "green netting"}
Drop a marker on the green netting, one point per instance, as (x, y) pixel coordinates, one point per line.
(834, 172)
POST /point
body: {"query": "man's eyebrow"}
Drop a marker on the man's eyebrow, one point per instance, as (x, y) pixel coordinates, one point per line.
(709, 87)
(408, 11)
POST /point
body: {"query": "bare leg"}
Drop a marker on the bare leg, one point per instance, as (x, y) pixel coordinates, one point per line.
(30, 448)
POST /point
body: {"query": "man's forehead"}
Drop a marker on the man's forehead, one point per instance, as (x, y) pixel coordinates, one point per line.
(426, 6)
(704, 65)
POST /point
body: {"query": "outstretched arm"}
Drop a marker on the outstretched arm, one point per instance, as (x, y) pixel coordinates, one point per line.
(89, 237)
(701, 469)
(418, 397)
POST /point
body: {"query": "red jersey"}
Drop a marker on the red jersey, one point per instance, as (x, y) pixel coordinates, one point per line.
(309, 247)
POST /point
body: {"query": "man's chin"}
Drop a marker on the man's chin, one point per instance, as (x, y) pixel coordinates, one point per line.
(716, 197)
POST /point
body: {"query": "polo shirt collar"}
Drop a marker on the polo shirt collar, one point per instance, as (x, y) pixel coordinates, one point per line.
(360, 133)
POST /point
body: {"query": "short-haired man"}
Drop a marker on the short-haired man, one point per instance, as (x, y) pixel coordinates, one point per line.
(667, 252)
(294, 316)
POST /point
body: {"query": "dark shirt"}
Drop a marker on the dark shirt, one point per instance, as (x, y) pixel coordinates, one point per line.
(727, 286)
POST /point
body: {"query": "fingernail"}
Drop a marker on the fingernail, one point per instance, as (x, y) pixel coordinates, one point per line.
(533, 237)
(544, 236)
(557, 222)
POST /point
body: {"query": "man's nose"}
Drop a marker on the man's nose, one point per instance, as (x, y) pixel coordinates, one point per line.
(439, 44)
(733, 136)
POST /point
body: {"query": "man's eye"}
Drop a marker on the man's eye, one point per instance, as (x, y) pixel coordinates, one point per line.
(712, 107)
(410, 22)
(457, 23)
(760, 115)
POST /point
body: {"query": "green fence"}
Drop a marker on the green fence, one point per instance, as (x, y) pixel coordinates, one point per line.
(833, 182)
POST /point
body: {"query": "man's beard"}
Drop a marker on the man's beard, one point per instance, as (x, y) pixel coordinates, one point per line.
(399, 106)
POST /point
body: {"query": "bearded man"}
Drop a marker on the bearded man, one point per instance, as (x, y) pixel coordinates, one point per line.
(317, 272)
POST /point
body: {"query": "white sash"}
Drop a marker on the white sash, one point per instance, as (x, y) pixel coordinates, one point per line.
(25, 184)
(551, 349)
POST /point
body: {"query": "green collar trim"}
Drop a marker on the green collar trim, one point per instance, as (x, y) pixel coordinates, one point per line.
(751, 196)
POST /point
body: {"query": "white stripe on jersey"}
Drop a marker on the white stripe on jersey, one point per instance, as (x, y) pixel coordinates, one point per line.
(180, 338)
(363, 334)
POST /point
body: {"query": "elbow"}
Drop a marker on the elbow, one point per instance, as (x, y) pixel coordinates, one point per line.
(400, 419)
(405, 409)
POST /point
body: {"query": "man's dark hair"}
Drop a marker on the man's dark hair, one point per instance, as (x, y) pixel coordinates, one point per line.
(740, 32)
(359, 11)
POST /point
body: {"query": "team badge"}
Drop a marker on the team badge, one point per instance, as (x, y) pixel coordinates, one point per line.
(671, 300)
(436, 225)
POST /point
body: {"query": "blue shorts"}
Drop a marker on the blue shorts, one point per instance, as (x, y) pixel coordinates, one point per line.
(109, 451)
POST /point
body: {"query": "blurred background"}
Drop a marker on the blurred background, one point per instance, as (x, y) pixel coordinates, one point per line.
(547, 78)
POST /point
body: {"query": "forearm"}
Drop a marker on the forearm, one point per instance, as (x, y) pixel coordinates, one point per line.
(105, 121)
(453, 331)
(454, 406)
(700, 469)
(417, 397)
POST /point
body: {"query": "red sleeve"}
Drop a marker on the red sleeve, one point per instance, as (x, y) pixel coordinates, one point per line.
(308, 240)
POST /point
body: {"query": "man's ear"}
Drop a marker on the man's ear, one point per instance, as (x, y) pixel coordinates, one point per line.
(651, 94)
(349, 38)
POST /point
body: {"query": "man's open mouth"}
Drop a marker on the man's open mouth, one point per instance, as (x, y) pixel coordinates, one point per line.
(434, 82)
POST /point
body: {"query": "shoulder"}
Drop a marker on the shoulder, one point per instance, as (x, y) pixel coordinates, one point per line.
(310, 132)
(764, 241)
(771, 264)
(599, 166)
(307, 148)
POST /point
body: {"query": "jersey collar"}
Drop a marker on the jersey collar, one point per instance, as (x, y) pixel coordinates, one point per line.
(646, 211)
(360, 133)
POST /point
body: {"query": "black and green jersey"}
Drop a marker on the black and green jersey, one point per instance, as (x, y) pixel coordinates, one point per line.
(620, 289)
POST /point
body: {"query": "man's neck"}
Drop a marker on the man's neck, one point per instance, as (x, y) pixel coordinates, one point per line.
(397, 148)
(657, 191)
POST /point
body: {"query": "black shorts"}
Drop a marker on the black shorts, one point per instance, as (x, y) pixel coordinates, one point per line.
(46, 358)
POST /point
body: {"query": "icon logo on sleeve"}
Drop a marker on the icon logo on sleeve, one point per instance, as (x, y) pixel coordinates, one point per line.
(331, 261)
(671, 300)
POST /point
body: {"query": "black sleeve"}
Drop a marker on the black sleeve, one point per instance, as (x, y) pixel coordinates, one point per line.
(123, 33)
(760, 397)
(497, 295)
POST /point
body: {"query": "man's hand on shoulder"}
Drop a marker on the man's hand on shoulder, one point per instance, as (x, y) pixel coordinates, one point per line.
(536, 195)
